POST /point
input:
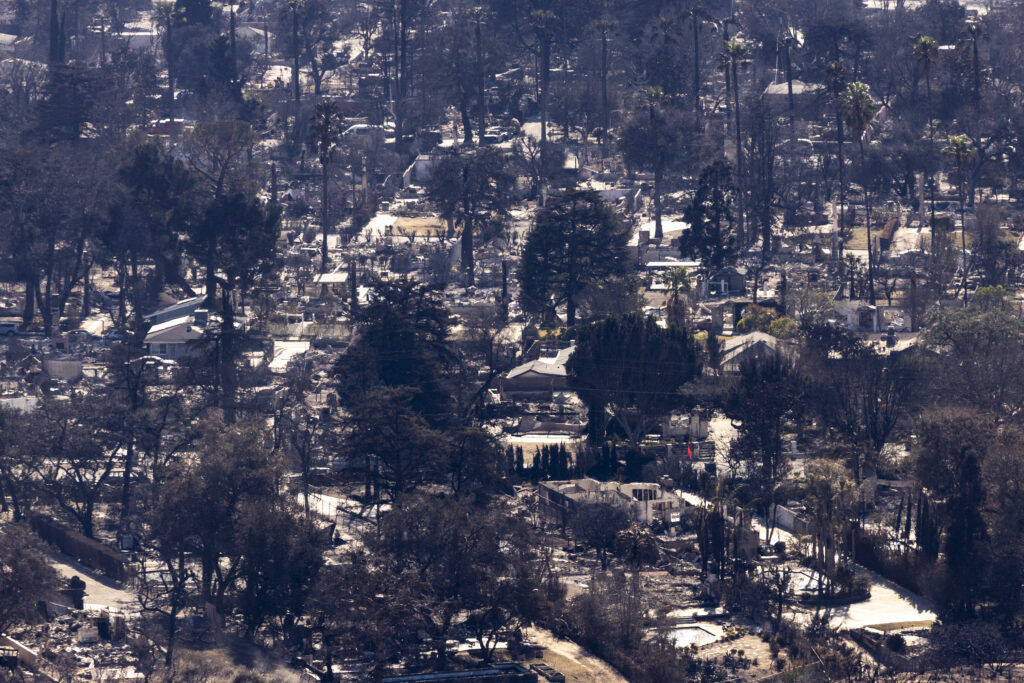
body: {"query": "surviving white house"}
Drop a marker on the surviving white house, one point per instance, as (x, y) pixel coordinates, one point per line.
(175, 328)
(171, 339)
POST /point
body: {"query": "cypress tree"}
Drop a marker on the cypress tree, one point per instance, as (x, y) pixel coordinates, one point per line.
(906, 527)
(898, 524)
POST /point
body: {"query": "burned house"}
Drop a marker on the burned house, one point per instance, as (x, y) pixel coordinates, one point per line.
(643, 502)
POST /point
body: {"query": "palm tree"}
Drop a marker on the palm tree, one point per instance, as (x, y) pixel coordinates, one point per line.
(604, 27)
(650, 139)
(231, 36)
(293, 6)
(976, 30)
(958, 151)
(324, 140)
(737, 54)
(858, 111)
(790, 39)
(835, 74)
(478, 15)
(165, 10)
(678, 281)
(926, 53)
(698, 15)
(543, 24)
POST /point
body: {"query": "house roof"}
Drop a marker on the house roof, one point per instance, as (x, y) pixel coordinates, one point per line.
(799, 88)
(745, 340)
(550, 367)
(177, 330)
(736, 346)
(183, 306)
(336, 278)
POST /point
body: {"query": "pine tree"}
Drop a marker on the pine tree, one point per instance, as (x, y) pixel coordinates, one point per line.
(927, 531)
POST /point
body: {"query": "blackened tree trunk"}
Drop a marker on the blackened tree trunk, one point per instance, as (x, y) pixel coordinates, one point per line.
(296, 93)
(481, 100)
(467, 231)
(605, 107)
(324, 222)
(228, 372)
(696, 64)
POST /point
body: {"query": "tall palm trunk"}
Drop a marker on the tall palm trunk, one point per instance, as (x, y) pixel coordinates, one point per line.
(480, 95)
(605, 109)
(296, 93)
(658, 173)
(867, 212)
(842, 183)
(963, 230)
(545, 83)
(696, 65)
(324, 164)
(789, 90)
(741, 184)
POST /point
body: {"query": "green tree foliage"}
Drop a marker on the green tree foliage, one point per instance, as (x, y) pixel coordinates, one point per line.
(858, 110)
(398, 448)
(633, 367)
(280, 561)
(469, 189)
(654, 139)
(760, 319)
(233, 467)
(152, 204)
(235, 239)
(712, 236)
(763, 398)
(951, 451)
(402, 342)
(979, 354)
(467, 567)
(577, 240)
(25, 574)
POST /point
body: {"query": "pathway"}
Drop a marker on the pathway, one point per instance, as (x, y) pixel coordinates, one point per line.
(100, 591)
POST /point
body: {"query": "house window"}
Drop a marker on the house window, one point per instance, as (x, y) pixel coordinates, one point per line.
(161, 349)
